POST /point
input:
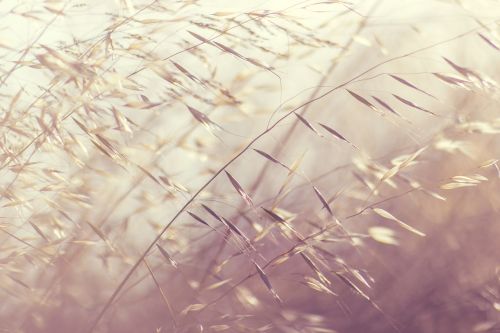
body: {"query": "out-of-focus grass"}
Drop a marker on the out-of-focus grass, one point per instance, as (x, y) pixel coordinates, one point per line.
(201, 166)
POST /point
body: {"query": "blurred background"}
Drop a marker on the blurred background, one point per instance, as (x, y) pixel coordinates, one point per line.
(234, 166)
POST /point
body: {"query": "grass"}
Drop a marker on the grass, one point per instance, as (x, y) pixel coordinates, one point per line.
(205, 166)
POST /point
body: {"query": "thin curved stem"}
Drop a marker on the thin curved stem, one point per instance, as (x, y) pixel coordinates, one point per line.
(239, 154)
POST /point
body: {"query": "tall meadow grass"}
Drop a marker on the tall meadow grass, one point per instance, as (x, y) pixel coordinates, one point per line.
(233, 166)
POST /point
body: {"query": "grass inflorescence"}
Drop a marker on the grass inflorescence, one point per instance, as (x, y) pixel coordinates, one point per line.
(281, 166)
